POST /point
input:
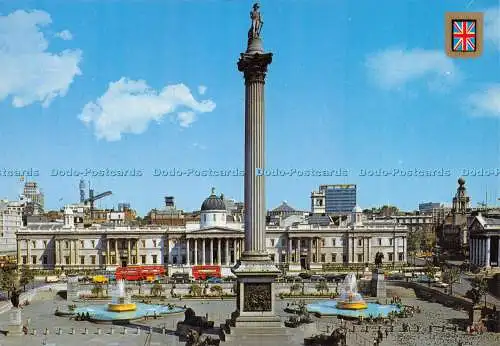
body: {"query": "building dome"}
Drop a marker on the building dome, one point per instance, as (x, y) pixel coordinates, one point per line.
(213, 202)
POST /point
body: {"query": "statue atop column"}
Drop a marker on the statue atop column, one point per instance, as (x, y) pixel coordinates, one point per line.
(257, 22)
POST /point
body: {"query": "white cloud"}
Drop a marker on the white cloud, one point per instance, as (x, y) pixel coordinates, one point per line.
(202, 90)
(486, 102)
(29, 73)
(492, 25)
(395, 68)
(65, 35)
(128, 106)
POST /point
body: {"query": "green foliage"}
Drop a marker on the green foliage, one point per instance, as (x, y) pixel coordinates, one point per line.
(157, 290)
(195, 290)
(295, 288)
(217, 290)
(98, 290)
(322, 287)
(9, 280)
(27, 276)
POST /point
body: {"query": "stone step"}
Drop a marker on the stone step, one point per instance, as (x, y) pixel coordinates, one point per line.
(257, 331)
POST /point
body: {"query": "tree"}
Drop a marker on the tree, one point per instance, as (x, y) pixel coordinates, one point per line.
(430, 272)
(451, 276)
(8, 281)
(414, 241)
(294, 288)
(217, 290)
(97, 290)
(195, 290)
(479, 289)
(322, 287)
(156, 290)
(27, 277)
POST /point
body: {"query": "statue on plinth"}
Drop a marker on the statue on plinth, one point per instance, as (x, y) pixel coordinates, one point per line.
(379, 256)
(14, 297)
(257, 22)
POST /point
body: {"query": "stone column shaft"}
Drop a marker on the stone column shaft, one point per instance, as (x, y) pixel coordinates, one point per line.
(116, 252)
(196, 252)
(128, 251)
(211, 251)
(219, 257)
(203, 254)
(226, 245)
(188, 262)
(488, 252)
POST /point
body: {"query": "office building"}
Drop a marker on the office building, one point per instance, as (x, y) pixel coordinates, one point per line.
(335, 199)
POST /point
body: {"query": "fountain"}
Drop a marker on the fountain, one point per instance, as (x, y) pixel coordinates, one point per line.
(123, 309)
(121, 302)
(350, 299)
(350, 303)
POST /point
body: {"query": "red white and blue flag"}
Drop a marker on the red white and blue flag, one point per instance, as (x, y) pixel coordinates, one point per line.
(464, 35)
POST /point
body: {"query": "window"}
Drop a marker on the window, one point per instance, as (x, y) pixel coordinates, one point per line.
(401, 257)
(174, 259)
(134, 259)
(390, 255)
(82, 244)
(92, 259)
(143, 259)
(124, 244)
(322, 242)
(272, 258)
(334, 257)
(154, 244)
(82, 259)
(272, 242)
(33, 244)
(66, 259)
(154, 258)
(25, 260)
(215, 217)
(44, 245)
(143, 243)
(33, 259)
(360, 242)
(283, 258)
(314, 257)
(391, 241)
(323, 257)
(344, 258)
(66, 244)
(360, 257)
(205, 217)
(165, 259)
(334, 242)
(379, 241)
(93, 244)
(44, 260)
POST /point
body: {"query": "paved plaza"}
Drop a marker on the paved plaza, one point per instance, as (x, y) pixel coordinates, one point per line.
(41, 316)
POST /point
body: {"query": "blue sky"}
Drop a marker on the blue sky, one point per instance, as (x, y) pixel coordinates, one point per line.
(153, 84)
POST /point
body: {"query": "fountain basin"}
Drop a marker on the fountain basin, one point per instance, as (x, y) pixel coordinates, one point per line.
(347, 305)
(332, 308)
(120, 307)
(100, 313)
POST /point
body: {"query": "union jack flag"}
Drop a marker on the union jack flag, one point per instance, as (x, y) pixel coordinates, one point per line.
(464, 35)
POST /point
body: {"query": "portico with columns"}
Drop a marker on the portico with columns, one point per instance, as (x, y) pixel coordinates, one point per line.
(484, 242)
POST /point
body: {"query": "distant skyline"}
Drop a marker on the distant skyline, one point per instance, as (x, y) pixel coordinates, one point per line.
(145, 85)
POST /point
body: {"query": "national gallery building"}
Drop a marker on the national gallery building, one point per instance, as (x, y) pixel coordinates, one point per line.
(296, 242)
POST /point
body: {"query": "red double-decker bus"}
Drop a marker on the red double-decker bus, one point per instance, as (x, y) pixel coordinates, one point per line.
(206, 271)
(138, 273)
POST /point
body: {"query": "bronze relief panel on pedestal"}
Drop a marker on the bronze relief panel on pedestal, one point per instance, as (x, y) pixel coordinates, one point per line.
(257, 297)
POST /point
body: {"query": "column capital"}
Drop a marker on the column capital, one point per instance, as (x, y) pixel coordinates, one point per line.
(254, 66)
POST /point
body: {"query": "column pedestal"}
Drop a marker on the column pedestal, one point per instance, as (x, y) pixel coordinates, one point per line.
(378, 284)
(15, 326)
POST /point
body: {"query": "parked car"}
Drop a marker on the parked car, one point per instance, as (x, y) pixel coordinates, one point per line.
(214, 280)
(317, 278)
(441, 284)
(305, 275)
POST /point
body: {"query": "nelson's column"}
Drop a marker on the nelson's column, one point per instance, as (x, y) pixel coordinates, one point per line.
(254, 316)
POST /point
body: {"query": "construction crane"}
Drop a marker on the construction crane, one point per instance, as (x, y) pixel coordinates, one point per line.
(93, 198)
